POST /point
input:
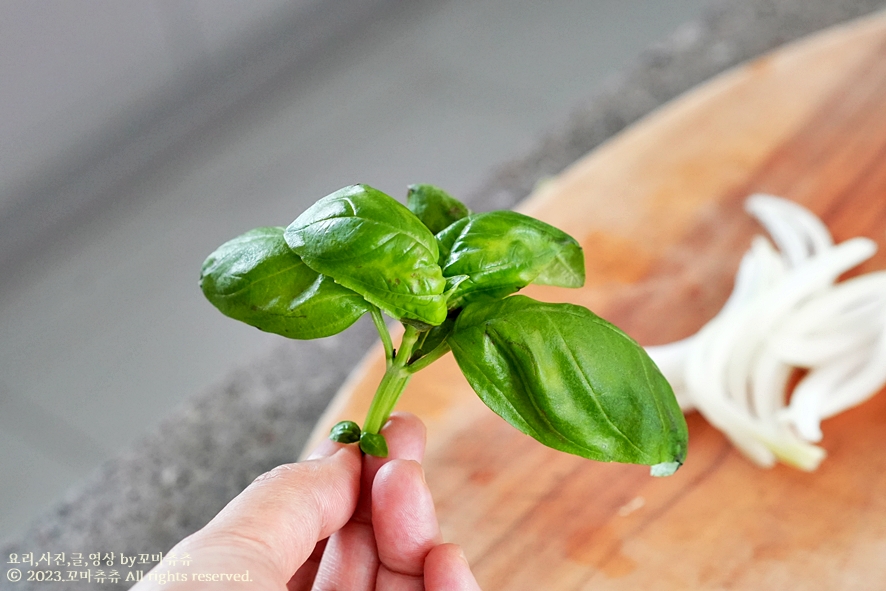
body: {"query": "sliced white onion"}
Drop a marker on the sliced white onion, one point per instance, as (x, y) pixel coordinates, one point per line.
(785, 312)
(796, 230)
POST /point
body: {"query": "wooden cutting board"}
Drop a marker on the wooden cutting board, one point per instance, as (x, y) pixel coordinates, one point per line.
(659, 211)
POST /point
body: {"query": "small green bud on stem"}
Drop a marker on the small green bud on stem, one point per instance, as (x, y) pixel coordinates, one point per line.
(345, 432)
(374, 444)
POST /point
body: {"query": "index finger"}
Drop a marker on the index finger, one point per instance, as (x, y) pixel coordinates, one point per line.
(272, 527)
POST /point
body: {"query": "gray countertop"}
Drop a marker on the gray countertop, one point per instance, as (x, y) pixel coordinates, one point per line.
(208, 450)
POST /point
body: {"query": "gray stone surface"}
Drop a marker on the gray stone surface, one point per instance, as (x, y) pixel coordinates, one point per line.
(209, 449)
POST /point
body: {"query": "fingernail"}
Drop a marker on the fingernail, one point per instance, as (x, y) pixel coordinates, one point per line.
(327, 448)
(461, 555)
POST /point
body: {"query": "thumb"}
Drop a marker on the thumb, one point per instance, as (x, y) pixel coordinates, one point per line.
(271, 528)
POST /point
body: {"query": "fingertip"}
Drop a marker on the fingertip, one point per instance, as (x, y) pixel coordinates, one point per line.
(326, 448)
(406, 435)
(410, 420)
(447, 568)
(401, 473)
(447, 554)
(350, 455)
(400, 483)
(347, 456)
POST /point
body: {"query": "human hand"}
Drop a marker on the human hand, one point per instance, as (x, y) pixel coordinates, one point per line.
(338, 521)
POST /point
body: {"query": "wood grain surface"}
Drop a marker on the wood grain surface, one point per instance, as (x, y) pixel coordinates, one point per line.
(659, 211)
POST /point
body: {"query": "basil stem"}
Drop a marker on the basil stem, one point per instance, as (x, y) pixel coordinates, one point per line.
(424, 361)
(392, 383)
(383, 333)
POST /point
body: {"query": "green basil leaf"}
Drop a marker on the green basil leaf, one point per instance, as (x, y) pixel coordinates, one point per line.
(446, 238)
(504, 251)
(436, 208)
(566, 268)
(372, 244)
(257, 279)
(571, 380)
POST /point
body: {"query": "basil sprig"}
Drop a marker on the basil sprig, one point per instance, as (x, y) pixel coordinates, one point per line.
(556, 372)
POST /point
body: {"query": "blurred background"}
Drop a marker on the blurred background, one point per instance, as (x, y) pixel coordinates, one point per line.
(135, 137)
